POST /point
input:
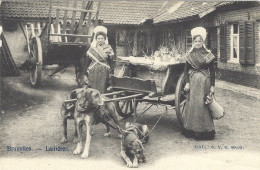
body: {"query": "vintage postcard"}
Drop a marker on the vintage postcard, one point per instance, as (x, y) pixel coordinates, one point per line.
(129, 84)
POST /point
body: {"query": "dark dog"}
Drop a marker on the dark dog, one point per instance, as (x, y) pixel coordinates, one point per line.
(90, 109)
(132, 143)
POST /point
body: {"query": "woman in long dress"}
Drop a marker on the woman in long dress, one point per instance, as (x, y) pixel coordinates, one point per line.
(200, 80)
(100, 52)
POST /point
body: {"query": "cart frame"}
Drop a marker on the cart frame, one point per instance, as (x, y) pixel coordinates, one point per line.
(129, 90)
(54, 45)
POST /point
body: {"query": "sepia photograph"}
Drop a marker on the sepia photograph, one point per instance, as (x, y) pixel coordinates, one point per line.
(114, 85)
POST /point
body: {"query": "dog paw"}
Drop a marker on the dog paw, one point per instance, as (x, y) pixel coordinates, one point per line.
(84, 155)
(77, 151)
(75, 140)
(129, 164)
(63, 140)
(107, 135)
(135, 165)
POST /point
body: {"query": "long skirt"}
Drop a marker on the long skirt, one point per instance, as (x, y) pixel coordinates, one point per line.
(197, 120)
(98, 77)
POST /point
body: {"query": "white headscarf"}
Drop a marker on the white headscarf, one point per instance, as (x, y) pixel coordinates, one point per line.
(199, 31)
(96, 30)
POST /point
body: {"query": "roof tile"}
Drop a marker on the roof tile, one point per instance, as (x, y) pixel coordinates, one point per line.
(115, 12)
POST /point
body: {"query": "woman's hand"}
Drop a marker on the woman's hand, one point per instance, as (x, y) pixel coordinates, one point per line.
(187, 87)
(212, 89)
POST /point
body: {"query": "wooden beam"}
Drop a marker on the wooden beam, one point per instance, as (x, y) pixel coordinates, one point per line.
(124, 98)
(65, 21)
(57, 21)
(70, 35)
(113, 99)
(73, 19)
(97, 13)
(113, 93)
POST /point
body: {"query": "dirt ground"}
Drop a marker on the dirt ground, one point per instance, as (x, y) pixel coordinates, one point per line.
(30, 117)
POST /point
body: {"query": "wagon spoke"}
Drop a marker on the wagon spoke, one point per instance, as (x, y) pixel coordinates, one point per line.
(131, 105)
(182, 103)
(183, 107)
(126, 108)
(122, 106)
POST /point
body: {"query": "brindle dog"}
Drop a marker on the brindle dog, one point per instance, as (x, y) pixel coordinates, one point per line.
(90, 109)
(103, 114)
(132, 142)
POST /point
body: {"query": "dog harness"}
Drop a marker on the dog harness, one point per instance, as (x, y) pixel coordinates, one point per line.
(132, 130)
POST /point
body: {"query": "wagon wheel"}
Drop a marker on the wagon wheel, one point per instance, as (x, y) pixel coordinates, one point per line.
(125, 108)
(180, 99)
(35, 59)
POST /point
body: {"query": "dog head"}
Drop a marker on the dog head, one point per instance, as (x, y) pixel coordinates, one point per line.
(92, 97)
(136, 148)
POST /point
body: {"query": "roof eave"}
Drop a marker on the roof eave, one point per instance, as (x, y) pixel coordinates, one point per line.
(178, 20)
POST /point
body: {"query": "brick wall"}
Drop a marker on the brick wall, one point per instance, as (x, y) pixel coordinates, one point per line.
(248, 75)
(257, 41)
(242, 15)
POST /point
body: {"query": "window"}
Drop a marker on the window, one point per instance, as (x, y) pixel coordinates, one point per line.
(239, 39)
(234, 43)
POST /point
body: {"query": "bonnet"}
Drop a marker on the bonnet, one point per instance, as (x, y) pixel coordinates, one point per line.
(96, 30)
(199, 31)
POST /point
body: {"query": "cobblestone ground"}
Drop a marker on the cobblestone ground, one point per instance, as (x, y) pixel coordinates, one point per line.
(30, 117)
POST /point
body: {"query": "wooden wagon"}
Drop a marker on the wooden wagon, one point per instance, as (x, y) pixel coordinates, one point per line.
(63, 40)
(143, 80)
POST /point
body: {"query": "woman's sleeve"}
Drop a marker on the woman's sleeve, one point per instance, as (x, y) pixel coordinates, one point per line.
(212, 72)
(186, 72)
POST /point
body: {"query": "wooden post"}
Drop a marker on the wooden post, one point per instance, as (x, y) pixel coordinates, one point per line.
(135, 43)
(153, 42)
(64, 26)
(1, 29)
(59, 31)
(97, 13)
(27, 39)
(32, 28)
(39, 28)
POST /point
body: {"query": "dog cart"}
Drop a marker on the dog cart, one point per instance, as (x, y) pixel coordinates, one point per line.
(143, 80)
(63, 40)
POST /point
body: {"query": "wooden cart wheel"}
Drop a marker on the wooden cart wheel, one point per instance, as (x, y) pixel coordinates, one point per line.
(125, 108)
(35, 58)
(180, 99)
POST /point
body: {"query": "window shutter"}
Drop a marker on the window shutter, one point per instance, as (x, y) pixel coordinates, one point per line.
(242, 42)
(223, 43)
(250, 43)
